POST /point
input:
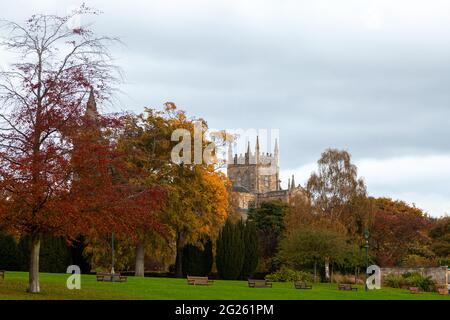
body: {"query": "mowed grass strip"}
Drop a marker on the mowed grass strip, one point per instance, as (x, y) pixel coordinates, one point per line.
(53, 286)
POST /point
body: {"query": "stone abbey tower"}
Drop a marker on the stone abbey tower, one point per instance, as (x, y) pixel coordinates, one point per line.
(256, 177)
(255, 172)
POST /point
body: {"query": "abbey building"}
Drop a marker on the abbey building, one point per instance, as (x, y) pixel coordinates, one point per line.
(255, 177)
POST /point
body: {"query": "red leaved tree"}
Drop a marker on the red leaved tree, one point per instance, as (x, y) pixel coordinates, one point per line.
(398, 229)
(54, 180)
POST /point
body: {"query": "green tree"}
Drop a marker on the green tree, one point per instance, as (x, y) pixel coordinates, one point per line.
(9, 254)
(197, 261)
(79, 258)
(251, 250)
(311, 245)
(269, 221)
(54, 254)
(230, 250)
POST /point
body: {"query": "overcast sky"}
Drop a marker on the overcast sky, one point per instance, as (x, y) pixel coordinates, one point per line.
(370, 77)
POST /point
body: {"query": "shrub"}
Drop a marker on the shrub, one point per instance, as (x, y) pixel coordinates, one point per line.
(410, 279)
(394, 281)
(425, 283)
(444, 262)
(342, 278)
(285, 274)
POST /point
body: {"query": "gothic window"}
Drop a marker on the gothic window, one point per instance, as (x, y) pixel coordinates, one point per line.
(266, 181)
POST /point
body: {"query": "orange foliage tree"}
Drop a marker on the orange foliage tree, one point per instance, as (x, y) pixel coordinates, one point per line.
(197, 198)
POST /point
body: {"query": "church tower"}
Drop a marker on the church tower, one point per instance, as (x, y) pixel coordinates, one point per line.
(256, 178)
(254, 172)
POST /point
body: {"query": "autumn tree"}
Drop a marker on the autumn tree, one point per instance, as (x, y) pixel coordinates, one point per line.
(197, 207)
(299, 214)
(440, 235)
(42, 99)
(335, 184)
(398, 230)
(46, 187)
(338, 194)
(196, 203)
(145, 141)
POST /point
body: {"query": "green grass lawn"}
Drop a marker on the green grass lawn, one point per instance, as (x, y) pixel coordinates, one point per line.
(53, 286)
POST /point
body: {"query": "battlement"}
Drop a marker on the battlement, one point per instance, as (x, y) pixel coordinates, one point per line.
(255, 171)
(253, 158)
(261, 159)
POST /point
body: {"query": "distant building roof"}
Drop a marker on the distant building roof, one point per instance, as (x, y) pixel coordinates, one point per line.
(240, 189)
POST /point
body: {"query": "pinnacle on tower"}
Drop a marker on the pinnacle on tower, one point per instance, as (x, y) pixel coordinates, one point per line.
(91, 108)
(293, 182)
(230, 154)
(247, 154)
(289, 183)
(275, 151)
(257, 150)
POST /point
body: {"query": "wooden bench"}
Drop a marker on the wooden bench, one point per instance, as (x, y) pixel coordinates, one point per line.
(108, 277)
(346, 287)
(414, 290)
(203, 281)
(302, 285)
(2, 274)
(252, 283)
(443, 291)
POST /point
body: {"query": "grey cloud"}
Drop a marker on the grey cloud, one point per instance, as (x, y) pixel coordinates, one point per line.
(320, 71)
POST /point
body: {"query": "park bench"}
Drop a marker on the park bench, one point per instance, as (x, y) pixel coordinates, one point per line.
(110, 277)
(252, 283)
(302, 285)
(346, 287)
(414, 290)
(2, 274)
(443, 291)
(199, 281)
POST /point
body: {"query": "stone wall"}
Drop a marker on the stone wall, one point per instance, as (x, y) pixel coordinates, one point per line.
(280, 195)
(438, 274)
(245, 199)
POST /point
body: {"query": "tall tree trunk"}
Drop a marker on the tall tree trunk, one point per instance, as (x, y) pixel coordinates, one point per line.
(33, 275)
(140, 258)
(327, 269)
(332, 273)
(315, 271)
(179, 258)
